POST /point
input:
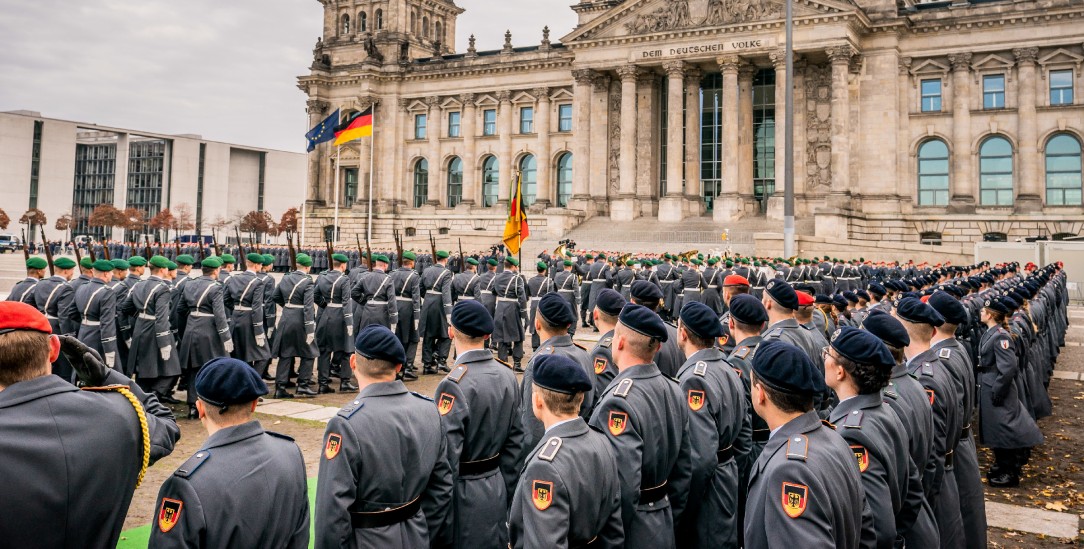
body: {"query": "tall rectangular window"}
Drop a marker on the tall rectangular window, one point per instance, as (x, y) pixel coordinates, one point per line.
(146, 165)
(526, 120)
(711, 138)
(764, 136)
(260, 185)
(350, 176)
(95, 166)
(199, 188)
(419, 126)
(453, 124)
(993, 91)
(489, 122)
(1061, 87)
(35, 168)
(564, 118)
(931, 95)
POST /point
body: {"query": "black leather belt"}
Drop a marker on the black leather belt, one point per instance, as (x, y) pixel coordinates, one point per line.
(726, 454)
(965, 432)
(651, 495)
(467, 468)
(950, 459)
(377, 519)
(761, 435)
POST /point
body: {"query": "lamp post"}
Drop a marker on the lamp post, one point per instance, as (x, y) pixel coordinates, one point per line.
(788, 146)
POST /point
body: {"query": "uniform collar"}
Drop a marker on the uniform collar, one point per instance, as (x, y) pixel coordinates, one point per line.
(802, 424)
(640, 371)
(230, 435)
(33, 389)
(711, 354)
(386, 388)
(563, 340)
(928, 355)
(569, 428)
(475, 355)
(785, 323)
(854, 404)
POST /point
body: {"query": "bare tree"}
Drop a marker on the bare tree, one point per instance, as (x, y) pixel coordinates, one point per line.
(4, 219)
(65, 223)
(163, 221)
(33, 218)
(288, 222)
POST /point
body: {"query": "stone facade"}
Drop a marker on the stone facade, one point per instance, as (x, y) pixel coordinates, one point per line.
(601, 124)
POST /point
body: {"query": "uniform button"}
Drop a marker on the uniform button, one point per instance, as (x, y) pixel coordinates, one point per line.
(855, 412)
(796, 439)
(355, 402)
(652, 504)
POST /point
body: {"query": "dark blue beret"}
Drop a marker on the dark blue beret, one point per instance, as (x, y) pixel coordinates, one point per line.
(701, 320)
(997, 305)
(787, 368)
(643, 290)
(862, 347)
(376, 342)
(224, 381)
(1010, 303)
(877, 288)
(644, 321)
(839, 301)
(821, 299)
(560, 373)
(951, 309)
(610, 301)
(886, 327)
(862, 294)
(914, 310)
(748, 309)
(556, 310)
(913, 295)
(783, 294)
(850, 296)
(472, 319)
(1019, 294)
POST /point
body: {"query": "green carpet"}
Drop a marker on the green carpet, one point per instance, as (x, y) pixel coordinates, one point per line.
(137, 538)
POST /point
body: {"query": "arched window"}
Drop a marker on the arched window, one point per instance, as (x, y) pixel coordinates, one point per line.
(346, 24)
(490, 181)
(425, 26)
(363, 22)
(995, 172)
(438, 32)
(1063, 171)
(528, 169)
(564, 179)
(455, 182)
(933, 173)
(421, 182)
(379, 19)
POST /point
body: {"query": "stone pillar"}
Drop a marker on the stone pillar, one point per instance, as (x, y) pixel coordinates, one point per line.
(623, 208)
(906, 164)
(437, 195)
(402, 170)
(728, 206)
(470, 162)
(775, 203)
(504, 157)
(546, 194)
(962, 186)
(745, 137)
(581, 134)
(317, 110)
(647, 146)
(120, 184)
(1029, 197)
(840, 57)
(600, 143)
(671, 207)
(694, 202)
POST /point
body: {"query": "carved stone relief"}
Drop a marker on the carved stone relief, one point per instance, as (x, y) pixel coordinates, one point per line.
(674, 14)
(818, 124)
(614, 156)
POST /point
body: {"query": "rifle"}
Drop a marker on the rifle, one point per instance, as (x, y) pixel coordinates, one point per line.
(290, 248)
(105, 252)
(214, 243)
(90, 250)
(240, 250)
(48, 251)
(398, 246)
(330, 252)
(147, 247)
(177, 245)
(26, 248)
(361, 254)
(369, 251)
(78, 256)
(462, 258)
(433, 247)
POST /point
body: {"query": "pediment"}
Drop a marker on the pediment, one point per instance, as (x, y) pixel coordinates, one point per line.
(561, 95)
(1061, 56)
(929, 66)
(645, 17)
(451, 103)
(487, 100)
(417, 105)
(992, 61)
(523, 97)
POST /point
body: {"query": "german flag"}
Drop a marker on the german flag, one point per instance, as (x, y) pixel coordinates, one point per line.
(516, 229)
(357, 126)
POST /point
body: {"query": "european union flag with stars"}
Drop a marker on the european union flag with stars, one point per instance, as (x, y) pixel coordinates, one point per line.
(324, 131)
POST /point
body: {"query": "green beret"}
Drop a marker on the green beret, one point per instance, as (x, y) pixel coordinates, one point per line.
(441, 254)
(601, 256)
(492, 261)
(695, 261)
(36, 263)
(227, 258)
(103, 266)
(729, 263)
(542, 266)
(137, 261)
(211, 262)
(568, 253)
(470, 260)
(713, 261)
(412, 256)
(381, 258)
(512, 261)
(700, 256)
(64, 263)
(121, 264)
(304, 260)
(86, 263)
(268, 259)
(340, 258)
(159, 262)
(171, 265)
(254, 257)
(185, 259)
(568, 263)
(589, 256)
(630, 262)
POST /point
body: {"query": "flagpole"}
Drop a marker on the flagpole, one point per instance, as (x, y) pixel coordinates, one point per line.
(335, 226)
(372, 154)
(301, 237)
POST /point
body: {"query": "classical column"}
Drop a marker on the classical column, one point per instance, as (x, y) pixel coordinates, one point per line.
(623, 208)
(600, 141)
(120, 184)
(432, 132)
(728, 203)
(840, 58)
(671, 208)
(779, 62)
(317, 111)
(746, 72)
(545, 195)
(365, 150)
(504, 156)
(402, 170)
(906, 175)
(470, 162)
(693, 192)
(962, 187)
(581, 144)
(647, 143)
(1030, 195)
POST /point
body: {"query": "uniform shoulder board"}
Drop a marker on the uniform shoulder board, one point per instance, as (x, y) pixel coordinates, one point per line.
(549, 451)
(798, 447)
(189, 467)
(351, 407)
(458, 373)
(671, 324)
(701, 368)
(580, 346)
(623, 388)
(927, 369)
(890, 391)
(775, 332)
(502, 362)
(606, 341)
(945, 353)
(421, 396)
(673, 379)
(852, 420)
(280, 435)
(828, 424)
(742, 352)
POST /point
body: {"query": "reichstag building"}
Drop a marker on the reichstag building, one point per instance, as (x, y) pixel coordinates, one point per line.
(948, 121)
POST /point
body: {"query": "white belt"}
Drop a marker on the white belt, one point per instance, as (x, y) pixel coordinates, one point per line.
(401, 298)
(714, 287)
(668, 281)
(293, 306)
(91, 323)
(374, 302)
(242, 308)
(433, 292)
(533, 299)
(462, 298)
(565, 291)
(597, 280)
(335, 305)
(199, 314)
(508, 299)
(146, 316)
(51, 317)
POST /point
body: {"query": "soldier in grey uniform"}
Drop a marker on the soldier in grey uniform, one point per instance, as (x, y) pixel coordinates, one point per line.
(568, 286)
(245, 291)
(485, 286)
(569, 494)
(55, 298)
(623, 279)
(72, 458)
(384, 481)
(184, 263)
(646, 418)
(478, 404)
(780, 300)
(96, 307)
(510, 317)
(733, 285)
(437, 283)
(23, 291)
(805, 489)
(151, 355)
(334, 326)
(206, 332)
(669, 356)
(465, 283)
(692, 285)
(607, 308)
(198, 505)
(598, 277)
(537, 286)
(270, 311)
(374, 294)
(408, 297)
(295, 336)
(719, 429)
(120, 285)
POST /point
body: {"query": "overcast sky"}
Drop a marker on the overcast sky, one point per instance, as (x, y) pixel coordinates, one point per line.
(224, 69)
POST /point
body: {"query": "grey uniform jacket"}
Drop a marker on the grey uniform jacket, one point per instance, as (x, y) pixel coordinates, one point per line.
(465, 286)
(602, 362)
(1008, 425)
(805, 491)
(375, 295)
(511, 311)
(569, 493)
(97, 309)
(720, 432)
(244, 487)
(408, 298)
(147, 304)
(71, 460)
(295, 294)
(646, 419)
(383, 450)
(669, 356)
(436, 285)
(245, 292)
(205, 328)
(568, 287)
(479, 408)
(23, 290)
(334, 317)
(558, 345)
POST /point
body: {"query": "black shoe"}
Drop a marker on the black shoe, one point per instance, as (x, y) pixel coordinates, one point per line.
(429, 370)
(192, 412)
(443, 368)
(305, 392)
(324, 390)
(268, 377)
(1004, 480)
(290, 385)
(167, 399)
(293, 375)
(281, 393)
(518, 368)
(347, 387)
(583, 324)
(409, 375)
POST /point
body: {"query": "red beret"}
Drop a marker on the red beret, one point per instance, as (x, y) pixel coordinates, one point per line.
(805, 299)
(15, 315)
(735, 280)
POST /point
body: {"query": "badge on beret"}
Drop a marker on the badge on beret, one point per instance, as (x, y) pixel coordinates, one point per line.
(600, 365)
(444, 404)
(541, 494)
(836, 333)
(169, 514)
(617, 422)
(696, 400)
(862, 456)
(334, 444)
(794, 499)
(1005, 344)
(929, 392)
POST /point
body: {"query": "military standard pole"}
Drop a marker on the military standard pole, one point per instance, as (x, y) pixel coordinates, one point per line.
(788, 137)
